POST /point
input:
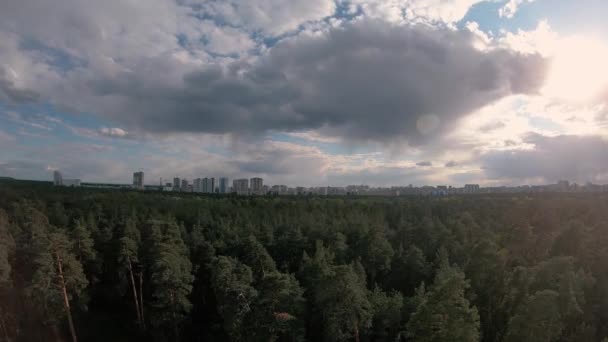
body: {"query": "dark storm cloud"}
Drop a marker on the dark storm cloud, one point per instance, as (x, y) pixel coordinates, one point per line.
(368, 80)
(575, 158)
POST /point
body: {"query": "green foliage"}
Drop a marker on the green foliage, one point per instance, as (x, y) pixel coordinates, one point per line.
(232, 285)
(55, 265)
(387, 308)
(224, 268)
(7, 245)
(538, 320)
(171, 278)
(342, 299)
(443, 313)
(278, 309)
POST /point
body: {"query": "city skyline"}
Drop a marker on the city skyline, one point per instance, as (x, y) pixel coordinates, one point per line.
(256, 186)
(309, 92)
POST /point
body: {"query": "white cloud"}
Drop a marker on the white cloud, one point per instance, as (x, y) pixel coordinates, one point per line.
(446, 11)
(271, 17)
(511, 7)
(315, 136)
(113, 132)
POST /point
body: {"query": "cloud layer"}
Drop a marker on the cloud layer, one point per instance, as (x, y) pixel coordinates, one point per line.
(301, 91)
(365, 80)
(569, 157)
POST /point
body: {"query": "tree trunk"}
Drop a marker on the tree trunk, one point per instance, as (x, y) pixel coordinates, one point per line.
(356, 332)
(56, 334)
(3, 325)
(66, 302)
(134, 293)
(175, 329)
(141, 299)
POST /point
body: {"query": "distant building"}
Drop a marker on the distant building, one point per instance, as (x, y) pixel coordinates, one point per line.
(71, 182)
(197, 185)
(176, 184)
(208, 185)
(184, 185)
(279, 189)
(57, 178)
(563, 185)
(257, 186)
(138, 180)
(441, 190)
(241, 186)
(471, 188)
(223, 185)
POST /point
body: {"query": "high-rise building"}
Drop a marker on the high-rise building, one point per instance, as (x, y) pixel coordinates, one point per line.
(241, 186)
(208, 185)
(197, 186)
(57, 178)
(184, 186)
(223, 185)
(176, 184)
(71, 182)
(279, 189)
(138, 180)
(257, 186)
(471, 188)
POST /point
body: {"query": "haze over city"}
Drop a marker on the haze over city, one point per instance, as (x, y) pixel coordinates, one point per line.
(306, 92)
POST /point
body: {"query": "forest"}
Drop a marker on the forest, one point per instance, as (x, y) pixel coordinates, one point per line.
(107, 265)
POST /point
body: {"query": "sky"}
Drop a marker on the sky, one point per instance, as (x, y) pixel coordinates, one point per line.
(306, 92)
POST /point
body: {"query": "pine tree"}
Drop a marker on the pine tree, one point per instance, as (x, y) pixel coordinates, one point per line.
(232, 284)
(257, 258)
(6, 249)
(128, 257)
(387, 307)
(443, 313)
(7, 244)
(277, 311)
(58, 276)
(342, 299)
(539, 319)
(83, 243)
(171, 278)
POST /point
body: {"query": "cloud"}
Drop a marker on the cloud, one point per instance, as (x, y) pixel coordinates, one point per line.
(379, 176)
(6, 138)
(26, 120)
(271, 17)
(424, 164)
(451, 163)
(365, 81)
(314, 136)
(511, 7)
(444, 11)
(11, 94)
(113, 132)
(570, 157)
(492, 126)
